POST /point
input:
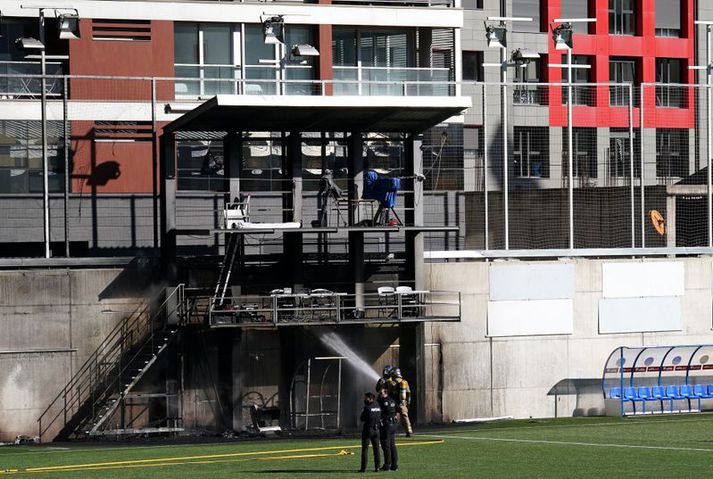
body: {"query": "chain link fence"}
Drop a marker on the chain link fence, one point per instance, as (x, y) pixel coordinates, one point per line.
(636, 176)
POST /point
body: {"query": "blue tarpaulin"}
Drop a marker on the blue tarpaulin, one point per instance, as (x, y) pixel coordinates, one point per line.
(383, 190)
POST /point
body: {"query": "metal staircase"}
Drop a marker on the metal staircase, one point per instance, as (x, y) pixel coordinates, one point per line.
(98, 391)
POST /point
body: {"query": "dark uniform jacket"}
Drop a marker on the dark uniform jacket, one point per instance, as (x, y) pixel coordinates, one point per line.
(371, 417)
(388, 410)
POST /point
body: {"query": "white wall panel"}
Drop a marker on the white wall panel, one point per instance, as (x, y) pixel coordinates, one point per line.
(635, 280)
(531, 281)
(530, 318)
(635, 315)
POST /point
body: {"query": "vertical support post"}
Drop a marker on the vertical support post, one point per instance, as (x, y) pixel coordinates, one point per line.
(642, 193)
(570, 145)
(168, 196)
(45, 166)
(307, 394)
(504, 123)
(356, 238)
(65, 142)
(339, 393)
(709, 96)
(485, 165)
(154, 166)
(631, 164)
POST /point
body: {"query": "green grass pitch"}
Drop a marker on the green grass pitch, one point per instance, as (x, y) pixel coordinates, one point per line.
(647, 447)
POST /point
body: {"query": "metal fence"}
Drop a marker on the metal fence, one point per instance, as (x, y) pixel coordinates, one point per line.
(636, 177)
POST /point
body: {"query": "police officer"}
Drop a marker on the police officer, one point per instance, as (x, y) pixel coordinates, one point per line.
(385, 380)
(402, 395)
(387, 432)
(371, 417)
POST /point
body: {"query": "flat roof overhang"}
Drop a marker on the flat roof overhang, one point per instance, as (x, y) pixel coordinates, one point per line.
(384, 114)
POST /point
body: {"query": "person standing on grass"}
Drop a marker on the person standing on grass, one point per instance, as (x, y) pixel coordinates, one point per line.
(371, 417)
(387, 432)
(402, 394)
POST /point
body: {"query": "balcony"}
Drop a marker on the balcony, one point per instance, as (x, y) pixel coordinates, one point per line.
(323, 307)
(21, 80)
(205, 81)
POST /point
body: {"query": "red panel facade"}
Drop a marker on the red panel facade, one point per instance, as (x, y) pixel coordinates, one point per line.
(117, 166)
(645, 47)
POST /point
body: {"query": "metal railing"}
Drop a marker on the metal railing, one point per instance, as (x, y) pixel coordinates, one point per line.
(333, 308)
(100, 377)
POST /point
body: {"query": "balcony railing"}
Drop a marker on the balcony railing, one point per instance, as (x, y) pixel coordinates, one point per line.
(19, 79)
(380, 81)
(327, 307)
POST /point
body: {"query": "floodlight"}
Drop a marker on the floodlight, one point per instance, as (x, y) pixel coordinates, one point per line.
(273, 30)
(304, 51)
(523, 56)
(29, 44)
(562, 36)
(496, 36)
(68, 24)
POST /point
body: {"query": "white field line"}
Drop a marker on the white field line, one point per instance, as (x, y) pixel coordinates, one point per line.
(569, 443)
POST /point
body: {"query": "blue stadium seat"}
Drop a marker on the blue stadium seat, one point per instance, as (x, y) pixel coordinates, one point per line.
(658, 393)
(615, 393)
(710, 390)
(699, 390)
(644, 395)
(672, 392)
(631, 394)
(688, 394)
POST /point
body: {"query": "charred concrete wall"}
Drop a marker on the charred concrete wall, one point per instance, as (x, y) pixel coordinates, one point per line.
(50, 322)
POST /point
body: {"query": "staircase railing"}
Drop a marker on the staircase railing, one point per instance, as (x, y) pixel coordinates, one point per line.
(101, 373)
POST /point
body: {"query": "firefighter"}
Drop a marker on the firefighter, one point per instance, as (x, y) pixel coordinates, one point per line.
(371, 417)
(385, 381)
(387, 432)
(402, 395)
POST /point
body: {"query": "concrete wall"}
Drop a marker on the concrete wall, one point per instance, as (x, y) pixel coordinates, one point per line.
(67, 312)
(481, 376)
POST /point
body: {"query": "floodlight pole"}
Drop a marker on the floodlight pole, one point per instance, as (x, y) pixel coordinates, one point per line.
(45, 167)
(709, 98)
(570, 143)
(504, 122)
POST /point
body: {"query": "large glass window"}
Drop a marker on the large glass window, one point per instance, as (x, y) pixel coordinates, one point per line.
(528, 9)
(672, 153)
(668, 18)
(21, 156)
(583, 95)
(620, 153)
(670, 70)
(200, 165)
(585, 152)
(531, 152)
(472, 66)
(472, 4)
(300, 70)
(622, 17)
(529, 94)
(366, 61)
(576, 9)
(205, 52)
(621, 70)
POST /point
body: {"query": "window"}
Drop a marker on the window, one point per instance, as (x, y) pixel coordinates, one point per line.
(621, 70)
(373, 56)
(670, 70)
(622, 18)
(529, 9)
(530, 94)
(668, 18)
(584, 160)
(576, 9)
(531, 152)
(472, 4)
(672, 153)
(620, 153)
(473, 66)
(205, 52)
(583, 95)
(21, 156)
(199, 165)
